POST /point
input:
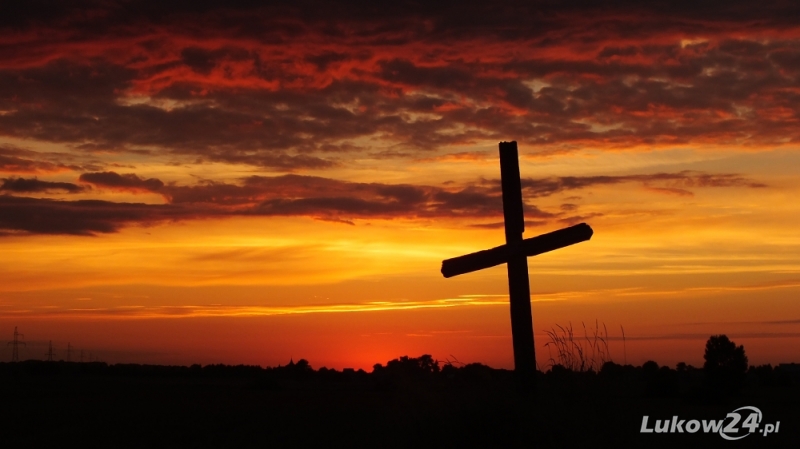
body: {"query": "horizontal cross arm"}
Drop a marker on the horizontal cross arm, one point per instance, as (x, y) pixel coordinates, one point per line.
(529, 247)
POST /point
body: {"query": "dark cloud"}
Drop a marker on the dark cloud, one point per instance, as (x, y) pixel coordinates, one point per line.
(674, 183)
(22, 185)
(116, 181)
(323, 206)
(325, 59)
(336, 220)
(85, 217)
(14, 164)
(336, 200)
(567, 207)
(19, 161)
(203, 61)
(670, 191)
(575, 219)
(500, 225)
(78, 103)
(401, 19)
(312, 196)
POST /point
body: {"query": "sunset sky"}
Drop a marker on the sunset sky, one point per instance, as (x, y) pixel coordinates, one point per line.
(228, 182)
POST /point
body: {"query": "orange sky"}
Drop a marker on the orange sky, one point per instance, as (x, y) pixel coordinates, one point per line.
(224, 184)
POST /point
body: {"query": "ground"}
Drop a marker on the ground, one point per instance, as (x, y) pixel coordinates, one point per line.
(52, 403)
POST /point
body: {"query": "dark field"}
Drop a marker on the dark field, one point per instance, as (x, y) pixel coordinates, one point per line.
(407, 403)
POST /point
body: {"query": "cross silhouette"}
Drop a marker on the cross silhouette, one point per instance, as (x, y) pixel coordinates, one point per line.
(515, 255)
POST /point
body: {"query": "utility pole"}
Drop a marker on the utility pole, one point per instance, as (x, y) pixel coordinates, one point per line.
(15, 345)
(69, 352)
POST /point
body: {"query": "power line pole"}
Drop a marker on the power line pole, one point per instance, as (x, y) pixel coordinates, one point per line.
(50, 352)
(69, 352)
(15, 345)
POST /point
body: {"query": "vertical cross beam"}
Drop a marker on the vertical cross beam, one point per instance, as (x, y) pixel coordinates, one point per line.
(518, 283)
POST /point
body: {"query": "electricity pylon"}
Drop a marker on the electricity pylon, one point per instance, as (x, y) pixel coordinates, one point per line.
(49, 353)
(15, 345)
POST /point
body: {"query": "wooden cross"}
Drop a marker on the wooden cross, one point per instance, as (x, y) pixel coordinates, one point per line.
(515, 255)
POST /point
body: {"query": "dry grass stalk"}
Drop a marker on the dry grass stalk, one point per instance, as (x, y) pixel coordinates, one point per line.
(578, 354)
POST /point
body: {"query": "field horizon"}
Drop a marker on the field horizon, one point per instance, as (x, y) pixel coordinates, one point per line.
(406, 400)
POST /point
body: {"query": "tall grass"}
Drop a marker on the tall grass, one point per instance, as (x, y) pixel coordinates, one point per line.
(587, 353)
(624, 346)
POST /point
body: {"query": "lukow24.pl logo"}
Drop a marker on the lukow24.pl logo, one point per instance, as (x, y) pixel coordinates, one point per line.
(736, 425)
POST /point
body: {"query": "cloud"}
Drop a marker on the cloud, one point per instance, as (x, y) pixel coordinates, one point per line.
(129, 182)
(216, 310)
(312, 196)
(303, 88)
(575, 219)
(19, 161)
(22, 185)
(501, 225)
(23, 216)
(465, 156)
(14, 164)
(328, 198)
(673, 183)
(670, 191)
(312, 87)
(287, 195)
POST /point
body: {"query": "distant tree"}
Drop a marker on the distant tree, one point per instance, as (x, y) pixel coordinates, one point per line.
(476, 372)
(725, 364)
(763, 374)
(611, 370)
(410, 367)
(428, 364)
(303, 366)
(649, 369)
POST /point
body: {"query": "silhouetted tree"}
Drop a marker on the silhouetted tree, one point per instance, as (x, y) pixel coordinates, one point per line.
(763, 375)
(428, 364)
(303, 366)
(664, 383)
(726, 363)
(649, 370)
(423, 367)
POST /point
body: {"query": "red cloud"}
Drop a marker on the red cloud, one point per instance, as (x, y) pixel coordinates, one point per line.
(275, 88)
